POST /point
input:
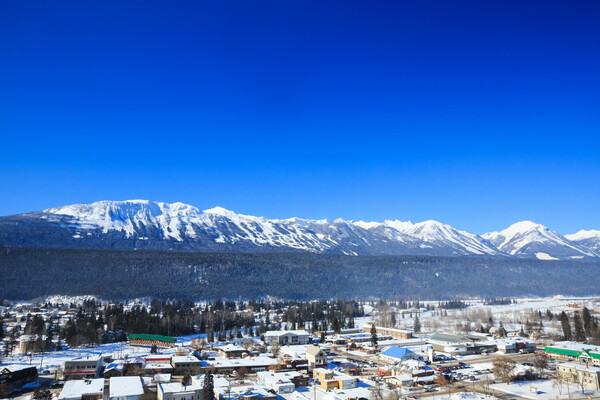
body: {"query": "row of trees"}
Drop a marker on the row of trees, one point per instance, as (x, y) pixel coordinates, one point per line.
(584, 326)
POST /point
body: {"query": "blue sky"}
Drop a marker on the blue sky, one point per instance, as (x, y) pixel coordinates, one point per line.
(477, 114)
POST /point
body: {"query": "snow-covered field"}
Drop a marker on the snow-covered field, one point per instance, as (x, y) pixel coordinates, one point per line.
(544, 390)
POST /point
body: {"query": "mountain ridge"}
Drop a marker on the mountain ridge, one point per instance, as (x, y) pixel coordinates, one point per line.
(151, 225)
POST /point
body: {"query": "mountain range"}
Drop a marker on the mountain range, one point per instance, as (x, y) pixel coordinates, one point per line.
(149, 225)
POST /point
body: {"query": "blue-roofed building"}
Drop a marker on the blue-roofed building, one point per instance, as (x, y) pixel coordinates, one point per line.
(396, 354)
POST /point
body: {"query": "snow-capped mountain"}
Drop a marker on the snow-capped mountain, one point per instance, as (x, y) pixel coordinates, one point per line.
(143, 224)
(588, 239)
(433, 234)
(528, 239)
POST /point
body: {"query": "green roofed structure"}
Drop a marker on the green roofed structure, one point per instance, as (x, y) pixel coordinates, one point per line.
(147, 340)
(583, 353)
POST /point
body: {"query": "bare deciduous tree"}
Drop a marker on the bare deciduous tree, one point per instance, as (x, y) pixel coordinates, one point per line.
(503, 368)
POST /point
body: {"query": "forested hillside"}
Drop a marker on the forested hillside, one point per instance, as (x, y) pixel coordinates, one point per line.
(29, 273)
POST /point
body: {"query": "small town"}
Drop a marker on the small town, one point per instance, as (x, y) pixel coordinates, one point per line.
(490, 349)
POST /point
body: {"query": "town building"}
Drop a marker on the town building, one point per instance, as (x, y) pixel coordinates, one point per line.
(573, 351)
(147, 340)
(83, 389)
(176, 391)
(316, 357)
(16, 376)
(511, 346)
(185, 365)
(581, 374)
(461, 344)
(251, 364)
(83, 367)
(329, 379)
(287, 337)
(224, 390)
(125, 388)
(396, 354)
(393, 332)
(158, 364)
(278, 382)
(231, 351)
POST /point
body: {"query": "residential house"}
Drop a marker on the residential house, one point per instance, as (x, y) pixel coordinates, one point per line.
(316, 357)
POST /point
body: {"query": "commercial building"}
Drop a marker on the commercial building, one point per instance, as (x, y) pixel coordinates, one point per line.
(83, 367)
(573, 351)
(510, 346)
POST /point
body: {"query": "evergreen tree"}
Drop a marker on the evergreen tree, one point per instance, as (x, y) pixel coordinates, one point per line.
(417, 325)
(589, 325)
(1, 329)
(579, 332)
(373, 335)
(208, 391)
(335, 325)
(10, 343)
(153, 349)
(566, 327)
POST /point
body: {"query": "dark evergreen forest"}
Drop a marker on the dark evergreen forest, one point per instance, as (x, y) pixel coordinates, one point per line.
(118, 275)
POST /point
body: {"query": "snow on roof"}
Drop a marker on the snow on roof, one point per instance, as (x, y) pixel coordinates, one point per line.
(184, 359)
(79, 388)
(16, 367)
(396, 352)
(580, 367)
(244, 362)
(279, 333)
(177, 387)
(231, 347)
(124, 386)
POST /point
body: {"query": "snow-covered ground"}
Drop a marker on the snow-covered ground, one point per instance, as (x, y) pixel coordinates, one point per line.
(544, 390)
(466, 396)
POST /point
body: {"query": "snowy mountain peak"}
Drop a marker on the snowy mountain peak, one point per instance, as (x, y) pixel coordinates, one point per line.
(220, 211)
(528, 239)
(583, 234)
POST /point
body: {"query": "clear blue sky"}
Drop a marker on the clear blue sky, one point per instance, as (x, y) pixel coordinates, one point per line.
(473, 113)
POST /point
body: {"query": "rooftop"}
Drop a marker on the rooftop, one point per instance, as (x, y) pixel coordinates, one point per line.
(146, 336)
(79, 388)
(123, 386)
